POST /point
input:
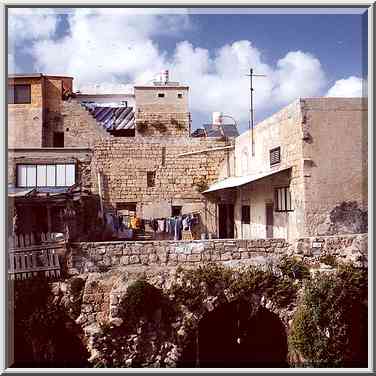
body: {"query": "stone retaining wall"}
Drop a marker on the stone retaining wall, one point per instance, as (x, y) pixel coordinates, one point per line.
(103, 256)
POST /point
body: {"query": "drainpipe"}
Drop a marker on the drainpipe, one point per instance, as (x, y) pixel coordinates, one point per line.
(100, 192)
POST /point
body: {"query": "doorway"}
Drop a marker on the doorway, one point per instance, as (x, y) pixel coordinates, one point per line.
(269, 220)
(226, 221)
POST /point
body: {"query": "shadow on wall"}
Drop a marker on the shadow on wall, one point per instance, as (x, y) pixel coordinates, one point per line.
(229, 337)
(348, 218)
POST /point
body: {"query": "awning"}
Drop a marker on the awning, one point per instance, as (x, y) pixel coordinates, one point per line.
(237, 181)
(19, 192)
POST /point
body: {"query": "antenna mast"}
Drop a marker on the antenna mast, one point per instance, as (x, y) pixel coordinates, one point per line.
(251, 125)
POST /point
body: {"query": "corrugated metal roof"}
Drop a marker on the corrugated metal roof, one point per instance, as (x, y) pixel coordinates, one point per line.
(111, 117)
(237, 181)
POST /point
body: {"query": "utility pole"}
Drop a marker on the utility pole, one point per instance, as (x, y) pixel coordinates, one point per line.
(251, 75)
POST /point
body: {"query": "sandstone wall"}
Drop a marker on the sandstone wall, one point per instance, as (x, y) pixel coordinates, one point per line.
(79, 127)
(104, 256)
(25, 121)
(147, 98)
(335, 154)
(53, 94)
(179, 181)
(284, 130)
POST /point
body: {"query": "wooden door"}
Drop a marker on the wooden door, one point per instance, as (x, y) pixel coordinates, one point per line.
(269, 220)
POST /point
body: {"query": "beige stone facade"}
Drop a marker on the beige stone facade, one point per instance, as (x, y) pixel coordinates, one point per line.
(182, 166)
(322, 150)
(323, 162)
(33, 124)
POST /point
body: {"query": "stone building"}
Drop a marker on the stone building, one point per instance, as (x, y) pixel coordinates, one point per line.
(133, 152)
(301, 172)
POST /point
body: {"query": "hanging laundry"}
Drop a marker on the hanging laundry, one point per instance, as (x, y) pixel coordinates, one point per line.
(178, 228)
(154, 225)
(186, 222)
(161, 225)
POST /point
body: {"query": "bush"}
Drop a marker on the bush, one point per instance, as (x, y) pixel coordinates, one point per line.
(329, 328)
(293, 268)
(141, 301)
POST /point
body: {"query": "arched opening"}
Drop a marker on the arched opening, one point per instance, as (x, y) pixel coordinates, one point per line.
(230, 336)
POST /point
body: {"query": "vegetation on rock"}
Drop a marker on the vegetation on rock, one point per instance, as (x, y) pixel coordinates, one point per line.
(330, 326)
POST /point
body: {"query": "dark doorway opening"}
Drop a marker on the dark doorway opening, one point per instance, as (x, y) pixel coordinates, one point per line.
(176, 210)
(226, 221)
(58, 141)
(229, 337)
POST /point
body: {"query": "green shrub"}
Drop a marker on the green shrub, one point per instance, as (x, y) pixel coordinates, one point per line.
(142, 300)
(294, 268)
(329, 328)
(329, 260)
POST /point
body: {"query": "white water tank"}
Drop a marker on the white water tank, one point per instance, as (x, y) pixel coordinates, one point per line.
(217, 118)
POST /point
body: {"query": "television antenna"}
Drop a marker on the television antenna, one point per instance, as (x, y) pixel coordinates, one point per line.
(251, 110)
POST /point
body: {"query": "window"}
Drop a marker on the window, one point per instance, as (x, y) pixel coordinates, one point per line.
(275, 156)
(283, 199)
(246, 214)
(160, 95)
(46, 175)
(180, 95)
(19, 94)
(58, 141)
(163, 156)
(122, 132)
(151, 179)
(126, 208)
(176, 210)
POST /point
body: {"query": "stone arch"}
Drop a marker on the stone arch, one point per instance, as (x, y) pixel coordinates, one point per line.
(236, 333)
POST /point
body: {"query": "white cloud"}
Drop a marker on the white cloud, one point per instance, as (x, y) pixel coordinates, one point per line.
(348, 87)
(115, 48)
(298, 74)
(30, 23)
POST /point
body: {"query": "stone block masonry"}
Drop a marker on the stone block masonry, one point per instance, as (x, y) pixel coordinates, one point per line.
(104, 256)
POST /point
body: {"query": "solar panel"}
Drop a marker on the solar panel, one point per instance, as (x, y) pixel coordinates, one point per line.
(211, 131)
(230, 130)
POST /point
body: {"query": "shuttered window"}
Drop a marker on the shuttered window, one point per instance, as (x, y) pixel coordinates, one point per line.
(150, 179)
(43, 175)
(275, 156)
(283, 199)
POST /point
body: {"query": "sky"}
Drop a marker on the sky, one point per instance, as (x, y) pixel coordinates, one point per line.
(108, 50)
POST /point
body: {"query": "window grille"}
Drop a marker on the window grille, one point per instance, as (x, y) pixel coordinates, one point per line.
(46, 175)
(283, 199)
(246, 214)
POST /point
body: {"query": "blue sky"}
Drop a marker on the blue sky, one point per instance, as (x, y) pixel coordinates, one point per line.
(302, 54)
